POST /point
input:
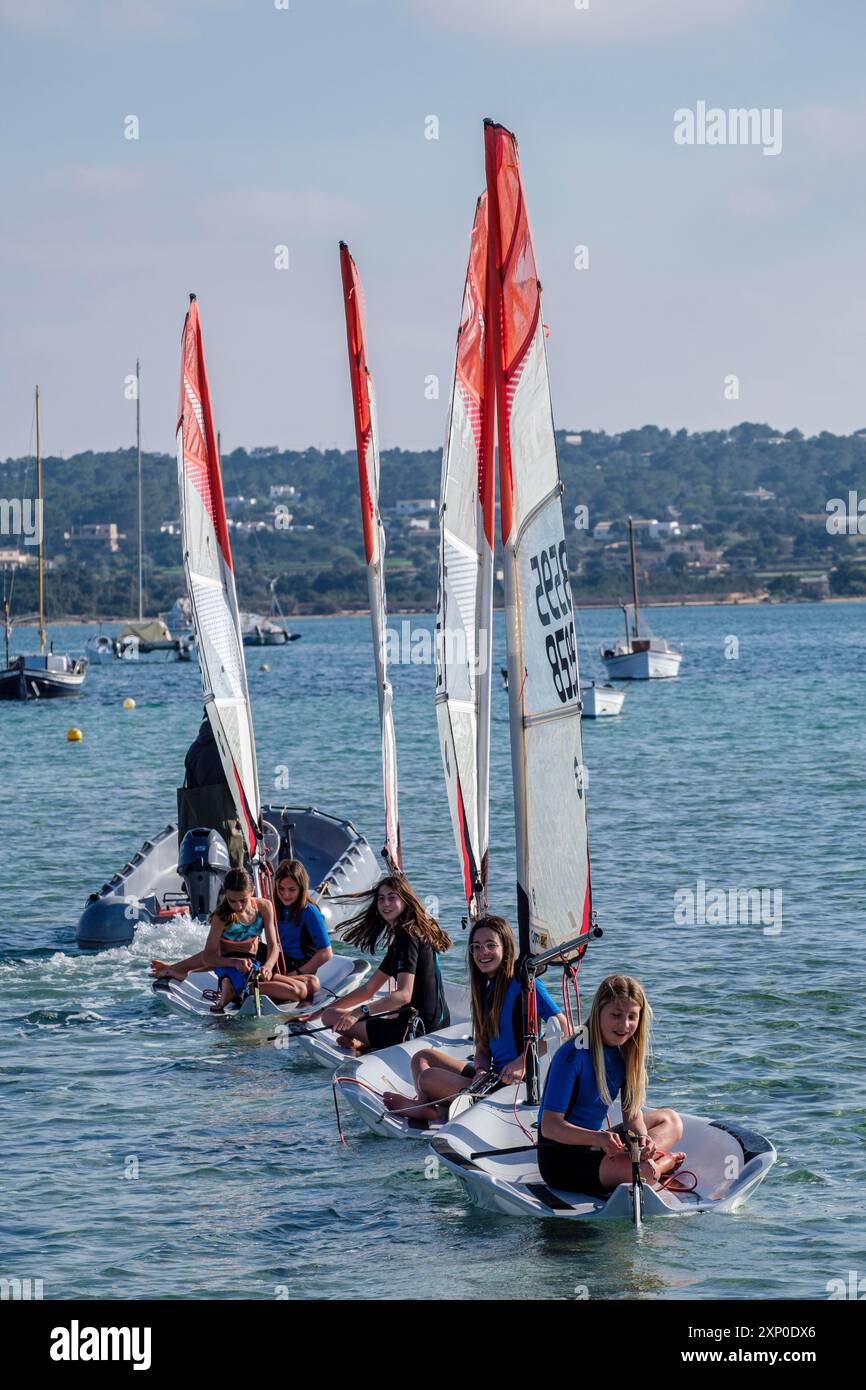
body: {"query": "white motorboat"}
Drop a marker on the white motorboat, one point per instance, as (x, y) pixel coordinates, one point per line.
(600, 701)
(100, 649)
(637, 658)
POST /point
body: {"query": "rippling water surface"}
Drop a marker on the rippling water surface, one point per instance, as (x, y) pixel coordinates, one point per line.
(149, 1156)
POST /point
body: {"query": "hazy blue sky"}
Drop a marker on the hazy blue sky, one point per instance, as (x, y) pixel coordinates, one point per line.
(260, 126)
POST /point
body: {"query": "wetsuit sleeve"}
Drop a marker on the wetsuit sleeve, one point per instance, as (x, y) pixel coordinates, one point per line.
(406, 955)
(318, 931)
(564, 1073)
(546, 1007)
(389, 965)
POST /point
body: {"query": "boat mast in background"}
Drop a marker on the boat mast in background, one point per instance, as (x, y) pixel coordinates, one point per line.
(210, 580)
(464, 624)
(635, 617)
(367, 445)
(554, 905)
(41, 551)
(138, 457)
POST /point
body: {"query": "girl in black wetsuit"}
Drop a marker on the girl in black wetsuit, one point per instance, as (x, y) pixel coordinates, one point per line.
(414, 938)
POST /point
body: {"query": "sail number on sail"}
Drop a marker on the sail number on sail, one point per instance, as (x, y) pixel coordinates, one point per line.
(553, 604)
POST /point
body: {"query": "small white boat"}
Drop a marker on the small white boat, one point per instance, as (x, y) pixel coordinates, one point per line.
(200, 990)
(324, 1045)
(641, 659)
(362, 1083)
(600, 701)
(100, 649)
(637, 658)
(493, 1155)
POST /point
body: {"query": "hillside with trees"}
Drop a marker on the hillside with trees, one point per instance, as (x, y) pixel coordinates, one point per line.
(738, 512)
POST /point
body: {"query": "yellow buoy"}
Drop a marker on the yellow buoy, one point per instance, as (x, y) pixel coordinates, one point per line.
(129, 703)
(74, 735)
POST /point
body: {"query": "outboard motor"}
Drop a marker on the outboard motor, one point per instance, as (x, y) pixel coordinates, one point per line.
(203, 862)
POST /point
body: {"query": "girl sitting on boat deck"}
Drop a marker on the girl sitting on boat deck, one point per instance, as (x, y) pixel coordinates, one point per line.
(236, 926)
(497, 1027)
(304, 945)
(414, 938)
(576, 1152)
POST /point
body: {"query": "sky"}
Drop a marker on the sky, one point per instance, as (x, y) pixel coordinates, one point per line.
(268, 123)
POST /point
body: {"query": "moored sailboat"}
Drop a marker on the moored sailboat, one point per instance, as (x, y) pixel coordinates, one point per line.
(639, 658)
(43, 675)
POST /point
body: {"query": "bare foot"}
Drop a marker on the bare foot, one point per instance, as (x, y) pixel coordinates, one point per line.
(164, 971)
(393, 1101)
(217, 1008)
(671, 1162)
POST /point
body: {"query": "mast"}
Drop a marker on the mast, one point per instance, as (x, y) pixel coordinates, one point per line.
(41, 529)
(138, 466)
(464, 618)
(636, 623)
(367, 446)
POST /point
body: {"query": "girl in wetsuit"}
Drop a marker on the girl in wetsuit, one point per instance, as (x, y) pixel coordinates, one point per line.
(304, 945)
(236, 927)
(576, 1152)
(497, 1027)
(414, 939)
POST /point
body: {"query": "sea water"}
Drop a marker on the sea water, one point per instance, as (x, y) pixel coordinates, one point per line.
(147, 1155)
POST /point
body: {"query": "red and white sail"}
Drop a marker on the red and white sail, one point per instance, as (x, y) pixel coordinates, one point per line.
(465, 607)
(553, 882)
(367, 443)
(210, 581)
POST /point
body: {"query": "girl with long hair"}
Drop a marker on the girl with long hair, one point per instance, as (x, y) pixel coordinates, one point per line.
(304, 945)
(497, 1027)
(576, 1153)
(237, 924)
(414, 939)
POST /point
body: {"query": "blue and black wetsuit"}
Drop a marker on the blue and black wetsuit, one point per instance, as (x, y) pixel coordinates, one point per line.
(572, 1090)
(301, 939)
(510, 1040)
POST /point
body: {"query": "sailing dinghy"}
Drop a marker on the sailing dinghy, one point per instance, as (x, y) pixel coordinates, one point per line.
(323, 1043)
(491, 1146)
(154, 887)
(464, 628)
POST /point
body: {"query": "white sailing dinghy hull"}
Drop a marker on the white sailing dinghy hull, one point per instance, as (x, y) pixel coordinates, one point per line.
(511, 1183)
(200, 990)
(324, 1047)
(364, 1083)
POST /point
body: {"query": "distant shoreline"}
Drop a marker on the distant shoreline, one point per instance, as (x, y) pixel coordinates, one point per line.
(746, 601)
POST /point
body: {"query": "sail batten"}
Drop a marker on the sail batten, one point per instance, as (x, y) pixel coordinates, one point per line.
(465, 599)
(367, 445)
(211, 583)
(553, 877)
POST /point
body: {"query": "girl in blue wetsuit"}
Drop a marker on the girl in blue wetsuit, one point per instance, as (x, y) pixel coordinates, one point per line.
(304, 945)
(576, 1151)
(497, 1027)
(237, 924)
